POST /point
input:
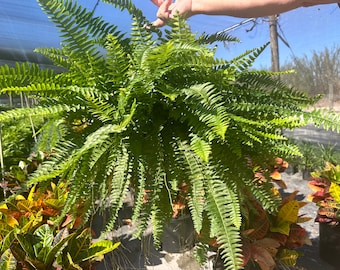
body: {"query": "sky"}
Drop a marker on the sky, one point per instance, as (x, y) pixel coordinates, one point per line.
(23, 26)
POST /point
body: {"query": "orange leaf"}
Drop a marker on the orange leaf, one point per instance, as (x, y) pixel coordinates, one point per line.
(262, 257)
(290, 197)
(285, 165)
(275, 175)
(278, 161)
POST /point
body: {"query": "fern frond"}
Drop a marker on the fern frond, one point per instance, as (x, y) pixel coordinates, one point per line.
(55, 166)
(221, 211)
(133, 10)
(216, 37)
(201, 147)
(57, 56)
(286, 149)
(117, 62)
(204, 102)
(35, 112)
(118, 186)
(264, 194)
(77, 25)
(323, 118)
(180, 30)
(50, 134)
(196, 179)
(23, 74)
(142, 207)
(38, 87)
(245, 60)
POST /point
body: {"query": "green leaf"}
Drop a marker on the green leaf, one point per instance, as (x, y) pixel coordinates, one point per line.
(59, 244)
(100, 248)
(45, 233)
(7, 261)
(201, 147)
(287, 215)
(27, 241)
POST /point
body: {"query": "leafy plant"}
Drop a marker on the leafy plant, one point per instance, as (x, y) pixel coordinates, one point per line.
(270, 240)
(325, 185)
(17, 141)
(35, 236)
(152, 111)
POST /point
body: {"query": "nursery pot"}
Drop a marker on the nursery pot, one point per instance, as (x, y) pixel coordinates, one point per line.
(306, 173)
(179, 235)
(329, 244)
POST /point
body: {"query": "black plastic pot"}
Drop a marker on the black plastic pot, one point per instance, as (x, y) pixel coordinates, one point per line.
(179, 235)
(329, 245)
(306, 173)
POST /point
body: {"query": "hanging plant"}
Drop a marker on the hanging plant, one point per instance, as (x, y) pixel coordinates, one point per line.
(152, 111)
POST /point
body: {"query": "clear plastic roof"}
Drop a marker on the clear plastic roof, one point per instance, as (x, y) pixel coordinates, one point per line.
(23, 27)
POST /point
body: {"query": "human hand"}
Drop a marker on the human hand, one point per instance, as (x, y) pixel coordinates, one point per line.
(248, 9)
(167, 9)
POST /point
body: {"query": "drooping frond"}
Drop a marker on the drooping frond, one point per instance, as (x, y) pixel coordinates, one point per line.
(118, 186)
(204, 102)
(51, 134)
(196, 176)
(57, 56)
(79, 28)
(221, 206)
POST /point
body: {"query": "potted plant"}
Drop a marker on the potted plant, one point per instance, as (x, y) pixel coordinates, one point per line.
(309, 160)
(270, 241)
(326, 186)
(146, 112)
(34, 234)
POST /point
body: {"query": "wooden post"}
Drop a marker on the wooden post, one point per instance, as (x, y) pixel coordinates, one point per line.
(274, 44)
(2, 164)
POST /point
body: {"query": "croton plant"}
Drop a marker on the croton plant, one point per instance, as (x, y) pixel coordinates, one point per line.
(325, 185)
(33, 232)
(268, 240)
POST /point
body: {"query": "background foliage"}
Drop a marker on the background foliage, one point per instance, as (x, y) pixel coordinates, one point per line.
(315, 74)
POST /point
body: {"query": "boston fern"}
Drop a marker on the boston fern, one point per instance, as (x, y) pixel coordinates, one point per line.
(150, 111)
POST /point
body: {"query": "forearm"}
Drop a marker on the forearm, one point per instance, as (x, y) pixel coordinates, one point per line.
(248, 8)
(235, 8)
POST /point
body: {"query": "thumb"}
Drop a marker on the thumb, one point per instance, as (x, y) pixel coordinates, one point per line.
(158, 23)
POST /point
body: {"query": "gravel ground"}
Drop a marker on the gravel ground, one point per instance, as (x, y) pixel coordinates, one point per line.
(311, 259)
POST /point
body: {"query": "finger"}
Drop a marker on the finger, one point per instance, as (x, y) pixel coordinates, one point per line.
(157, 2)
(163, 12)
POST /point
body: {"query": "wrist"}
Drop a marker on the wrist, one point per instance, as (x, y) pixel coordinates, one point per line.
(197, 7)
